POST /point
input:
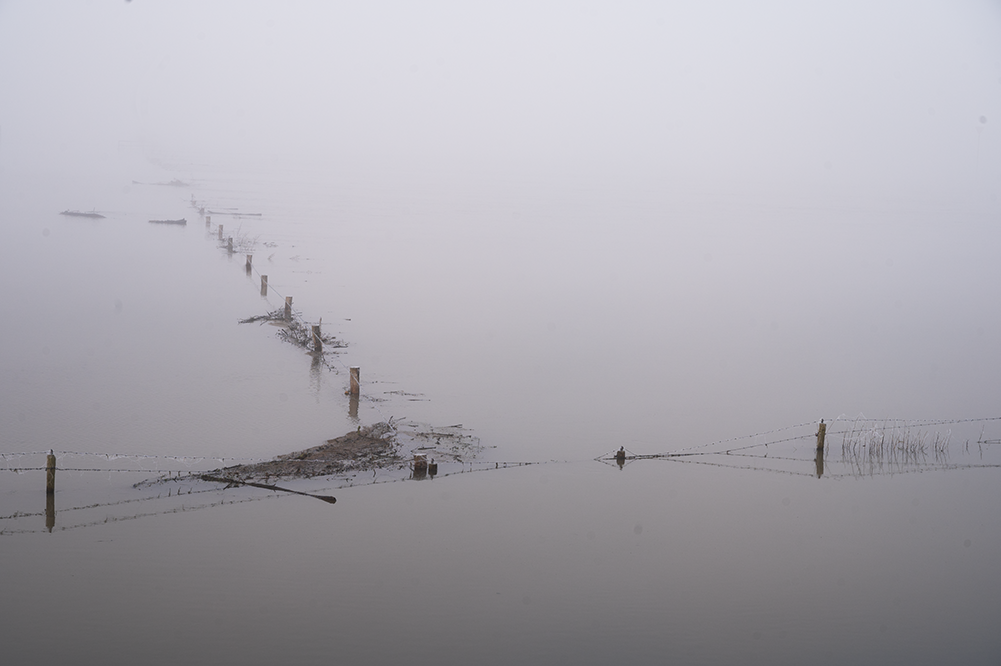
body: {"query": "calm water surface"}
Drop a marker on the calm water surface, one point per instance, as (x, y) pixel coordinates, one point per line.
(555, 325)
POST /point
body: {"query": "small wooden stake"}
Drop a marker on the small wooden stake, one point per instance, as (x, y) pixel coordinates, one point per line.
(264, 285)
(317, 340)
(50, 473)
(821, 433)
(220, 232)
(288, 308)
(250, 261)
(420, 466)
(208, 221)
(355, 380)
(229, 244)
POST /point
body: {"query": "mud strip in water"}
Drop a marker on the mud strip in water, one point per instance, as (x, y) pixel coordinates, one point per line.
(369, 448)
(383, 447)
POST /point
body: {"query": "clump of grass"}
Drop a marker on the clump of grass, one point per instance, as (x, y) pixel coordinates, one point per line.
(295, 331)
(893, 443)
(243, 242)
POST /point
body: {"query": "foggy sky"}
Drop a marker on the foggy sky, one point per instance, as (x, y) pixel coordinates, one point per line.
(854, 103)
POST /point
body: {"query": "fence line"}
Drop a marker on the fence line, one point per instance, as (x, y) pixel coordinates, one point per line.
(295, 314)
(691, 451)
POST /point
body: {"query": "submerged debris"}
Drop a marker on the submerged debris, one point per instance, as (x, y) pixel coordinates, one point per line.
(293, 331)
(77, 213)
(451, 442)
(173, 183)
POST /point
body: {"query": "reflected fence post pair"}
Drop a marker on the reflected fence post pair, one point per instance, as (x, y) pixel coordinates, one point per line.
(50, 491)
(821, 434)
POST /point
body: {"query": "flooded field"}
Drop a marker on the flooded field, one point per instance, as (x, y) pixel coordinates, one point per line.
(444, 333)
(720, 535)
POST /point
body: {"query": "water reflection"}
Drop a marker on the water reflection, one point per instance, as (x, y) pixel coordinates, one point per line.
(863, 456)
(50, 511)
(315, 370)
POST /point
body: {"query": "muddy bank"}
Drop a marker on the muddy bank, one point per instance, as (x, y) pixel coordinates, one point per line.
(381, 449)
(375, 447)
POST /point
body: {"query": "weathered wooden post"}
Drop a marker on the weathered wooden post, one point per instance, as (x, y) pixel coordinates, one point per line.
(229, 244)
(420, 466)
(208, 221)
(317, 340)
(288, 308)
(220, 232)
(50, 473)
(264, 285)
(821, 433)
(250, 263)
(355, 380)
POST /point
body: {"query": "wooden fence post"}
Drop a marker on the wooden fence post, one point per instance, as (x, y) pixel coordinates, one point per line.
(220, 232)
(355, 380)
(229, 244)
(50, 473)
(288, 308)
(264, 285)
(821, 433)
(208, 221)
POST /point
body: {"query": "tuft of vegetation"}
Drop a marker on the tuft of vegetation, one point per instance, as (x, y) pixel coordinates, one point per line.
(294, 331)
(867, 446)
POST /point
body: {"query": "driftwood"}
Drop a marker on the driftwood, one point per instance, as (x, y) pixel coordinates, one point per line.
(77, 213)
(233, 482)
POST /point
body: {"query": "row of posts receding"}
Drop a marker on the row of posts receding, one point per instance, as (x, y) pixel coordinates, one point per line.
(354, 389)
(317, 339)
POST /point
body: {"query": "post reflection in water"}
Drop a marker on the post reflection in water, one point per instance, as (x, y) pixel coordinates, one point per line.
(315, 366)
(50, 511)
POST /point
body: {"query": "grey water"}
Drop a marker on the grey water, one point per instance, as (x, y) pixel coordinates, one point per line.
(552, 343)
(696, 288)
